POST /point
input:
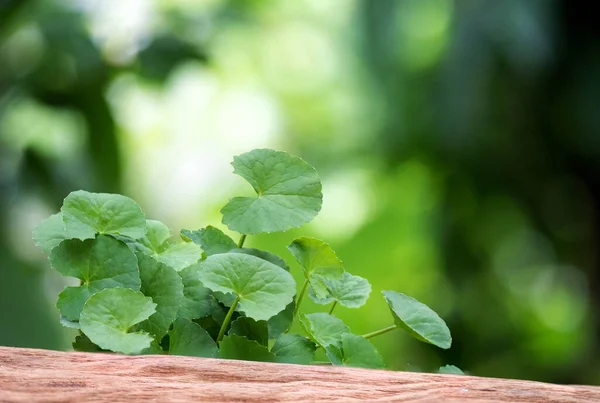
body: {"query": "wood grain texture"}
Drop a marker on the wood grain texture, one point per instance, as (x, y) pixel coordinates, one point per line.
(28, 375)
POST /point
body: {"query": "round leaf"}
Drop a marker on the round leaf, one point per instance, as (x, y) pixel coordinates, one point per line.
(197, 300)
(109, 315)
(236, 347)
(281, 322)
(164, 286)
(349, 291)
(180, 255)
(50, 232)
(418, 319)
(99, 263)
(212, 240)
(264, 255)
(86, 214)
(263, 288)
(294, 349)
(360, 352)
(324, 329)
(251, 329)
(188, 338)
(288, 193)
(318, 261)
(450, 370)
(156, 237)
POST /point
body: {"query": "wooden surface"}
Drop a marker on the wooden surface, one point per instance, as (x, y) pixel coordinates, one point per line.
(28, 375)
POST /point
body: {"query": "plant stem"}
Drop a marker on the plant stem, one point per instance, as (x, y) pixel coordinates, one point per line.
(241, 241)
(227, 319)
(380, 331)
(300, 296)
(332, 306)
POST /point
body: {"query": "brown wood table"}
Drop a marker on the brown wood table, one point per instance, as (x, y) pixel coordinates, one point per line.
(29, 376)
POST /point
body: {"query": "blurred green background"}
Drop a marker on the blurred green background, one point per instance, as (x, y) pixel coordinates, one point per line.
(458, 143)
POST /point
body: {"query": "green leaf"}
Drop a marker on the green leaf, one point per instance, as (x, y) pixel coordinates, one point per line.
(109, 316)
(99, 263)
(251, 329)
(281, 322)
(86, 214)
(50, 232)
(294, 349)
(360, 352)
(450, 370)
(264, 255)
(188, 338)
(418, 319)
(324, 329)
(164, 286)
(288, 193)
(197, 300)
(180, 255)
(349, 291)
(69, 323)
(334, 354)
(212, 240)
(263, 288)
(236, 347)
(84, 344)
(156, 237)
(319, 263)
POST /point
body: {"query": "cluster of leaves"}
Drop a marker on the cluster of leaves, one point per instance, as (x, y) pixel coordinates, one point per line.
(206, 295)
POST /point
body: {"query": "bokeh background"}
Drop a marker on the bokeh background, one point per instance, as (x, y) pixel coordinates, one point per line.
(458, 143)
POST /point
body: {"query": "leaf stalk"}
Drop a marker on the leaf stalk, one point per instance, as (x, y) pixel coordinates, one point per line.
(241, 241)
(300, 297)
(332, 306)
(380, 331)
(227, 319)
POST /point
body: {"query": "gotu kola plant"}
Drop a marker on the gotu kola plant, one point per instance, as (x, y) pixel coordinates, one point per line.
(207, 295)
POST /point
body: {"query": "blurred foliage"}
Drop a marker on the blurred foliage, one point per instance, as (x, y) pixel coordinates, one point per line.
(458, 143)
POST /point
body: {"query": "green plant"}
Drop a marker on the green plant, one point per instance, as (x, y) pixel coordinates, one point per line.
(208, 296)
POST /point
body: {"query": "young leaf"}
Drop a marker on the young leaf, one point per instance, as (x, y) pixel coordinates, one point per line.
(188, 338)
(359, 352)
(109, 315)
(418, 319)
(156, 237)
(50, 232)
(251, 329)
(450, 370)
(324, 329)
(263, 289)
(349, 291)
(212, 240)
(288, 193)
(197, 299)
(294, 349)
(100, 263)
(264, 255)
(319, 263)
(86, 214)
(236, 347)
(281, 322)
(164, 286)
(180, 255)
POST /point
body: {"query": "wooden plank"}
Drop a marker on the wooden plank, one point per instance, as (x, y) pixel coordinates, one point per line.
(28, 375)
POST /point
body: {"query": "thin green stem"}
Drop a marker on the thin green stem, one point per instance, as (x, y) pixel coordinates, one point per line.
(380, 331)
(333, 306)
(300, 296)
(227, 319)
(241, 241)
